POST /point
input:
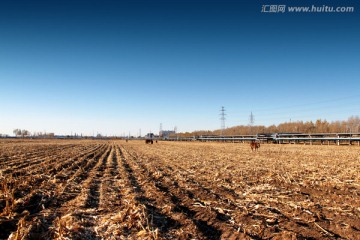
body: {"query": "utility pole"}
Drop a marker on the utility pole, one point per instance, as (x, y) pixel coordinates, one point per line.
(222, 119)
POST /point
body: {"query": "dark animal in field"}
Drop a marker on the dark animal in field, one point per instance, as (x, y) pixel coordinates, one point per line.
(254, 145)
(149, 141)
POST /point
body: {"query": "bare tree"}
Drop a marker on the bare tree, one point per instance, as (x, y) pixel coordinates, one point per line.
(353, 123)
(25, 133)
(17, 132)
(22, 133)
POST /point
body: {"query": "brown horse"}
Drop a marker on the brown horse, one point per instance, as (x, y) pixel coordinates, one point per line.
(254, 145)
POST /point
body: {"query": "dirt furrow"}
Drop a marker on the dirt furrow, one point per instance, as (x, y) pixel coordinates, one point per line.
(109, 189)
(47, 161)
(96, 189)
(21, 186)
(123, 214)
(38, 204)
(188, 199)
(28, 158)
(249, 211)
(83, 210)
(96, 178)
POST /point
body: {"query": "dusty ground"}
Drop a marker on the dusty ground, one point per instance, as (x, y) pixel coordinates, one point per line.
(89, 189)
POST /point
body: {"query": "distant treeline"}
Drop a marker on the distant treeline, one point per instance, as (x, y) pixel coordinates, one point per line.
(352, 124)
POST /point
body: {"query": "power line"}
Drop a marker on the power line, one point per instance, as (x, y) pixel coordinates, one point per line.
(315, 105)
(325, 109)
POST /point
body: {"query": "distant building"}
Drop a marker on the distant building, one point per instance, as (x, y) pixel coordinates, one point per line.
(166, 133)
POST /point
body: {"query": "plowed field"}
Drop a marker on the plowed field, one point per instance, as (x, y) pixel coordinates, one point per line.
(87, 189)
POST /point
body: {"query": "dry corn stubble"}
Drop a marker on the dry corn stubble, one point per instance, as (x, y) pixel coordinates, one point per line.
(130, 190)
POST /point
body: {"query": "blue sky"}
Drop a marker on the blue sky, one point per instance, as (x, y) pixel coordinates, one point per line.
(115, 67)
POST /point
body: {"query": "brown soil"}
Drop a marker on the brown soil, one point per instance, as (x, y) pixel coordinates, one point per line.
(86, 189)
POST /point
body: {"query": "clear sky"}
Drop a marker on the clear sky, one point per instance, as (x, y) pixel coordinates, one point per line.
(114, 67)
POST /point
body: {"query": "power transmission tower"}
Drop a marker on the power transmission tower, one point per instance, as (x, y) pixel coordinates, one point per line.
(222, 119)
(160, 130)
(251, 121)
